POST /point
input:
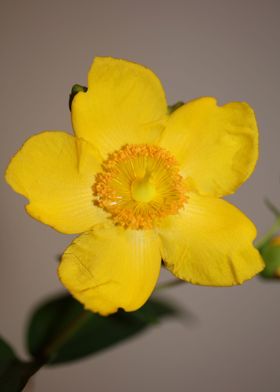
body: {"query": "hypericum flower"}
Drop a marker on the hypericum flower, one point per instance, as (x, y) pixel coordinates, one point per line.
(143, 185)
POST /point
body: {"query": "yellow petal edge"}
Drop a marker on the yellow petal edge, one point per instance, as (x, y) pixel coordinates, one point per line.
(125, 104)
(210, 243)
(216, 146)
(55, 172)
(110, 268)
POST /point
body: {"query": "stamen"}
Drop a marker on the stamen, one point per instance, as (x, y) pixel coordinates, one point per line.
(139, 185)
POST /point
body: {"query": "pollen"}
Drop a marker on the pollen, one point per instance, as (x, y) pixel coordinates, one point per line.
(139, 185)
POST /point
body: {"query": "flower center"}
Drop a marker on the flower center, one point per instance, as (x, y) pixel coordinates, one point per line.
(143, 189)
(139, 185)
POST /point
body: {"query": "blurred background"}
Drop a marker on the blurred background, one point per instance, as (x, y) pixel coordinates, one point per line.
(229, 339)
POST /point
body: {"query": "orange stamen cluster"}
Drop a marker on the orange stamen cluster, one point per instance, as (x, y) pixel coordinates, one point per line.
(158, 173)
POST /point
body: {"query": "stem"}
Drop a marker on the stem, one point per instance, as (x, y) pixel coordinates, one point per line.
(273, 208)
(271, 232)
(51, 348)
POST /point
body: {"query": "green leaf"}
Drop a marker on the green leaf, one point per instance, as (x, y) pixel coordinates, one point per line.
(61, 330)
(14, 373)
(75, 90)
(271, 255)
(6, 352)
(175, 106)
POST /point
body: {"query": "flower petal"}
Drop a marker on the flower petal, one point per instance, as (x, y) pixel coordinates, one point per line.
(210, 243)
(55, 171)
(125, 103)
(111, 268)
(217, 146)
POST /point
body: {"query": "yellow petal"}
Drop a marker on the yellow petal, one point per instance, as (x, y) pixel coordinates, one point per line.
(111, 268)
(210, 243)
(217, 146)
(55, 171)
(125, 103)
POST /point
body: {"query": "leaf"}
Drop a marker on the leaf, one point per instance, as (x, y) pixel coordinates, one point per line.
(6, 352)
(271, 255)
(61, 330)
(14, 373)
(175, 106)
(74, 91)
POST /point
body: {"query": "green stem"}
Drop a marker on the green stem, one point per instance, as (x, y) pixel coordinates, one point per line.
(275, 211)
(271, 232)
(55, 343)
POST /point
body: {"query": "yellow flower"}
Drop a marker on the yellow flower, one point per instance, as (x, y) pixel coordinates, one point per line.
(142, 185)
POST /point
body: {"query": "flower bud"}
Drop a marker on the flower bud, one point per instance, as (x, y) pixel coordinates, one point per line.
(271, 255)
(75, 90)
